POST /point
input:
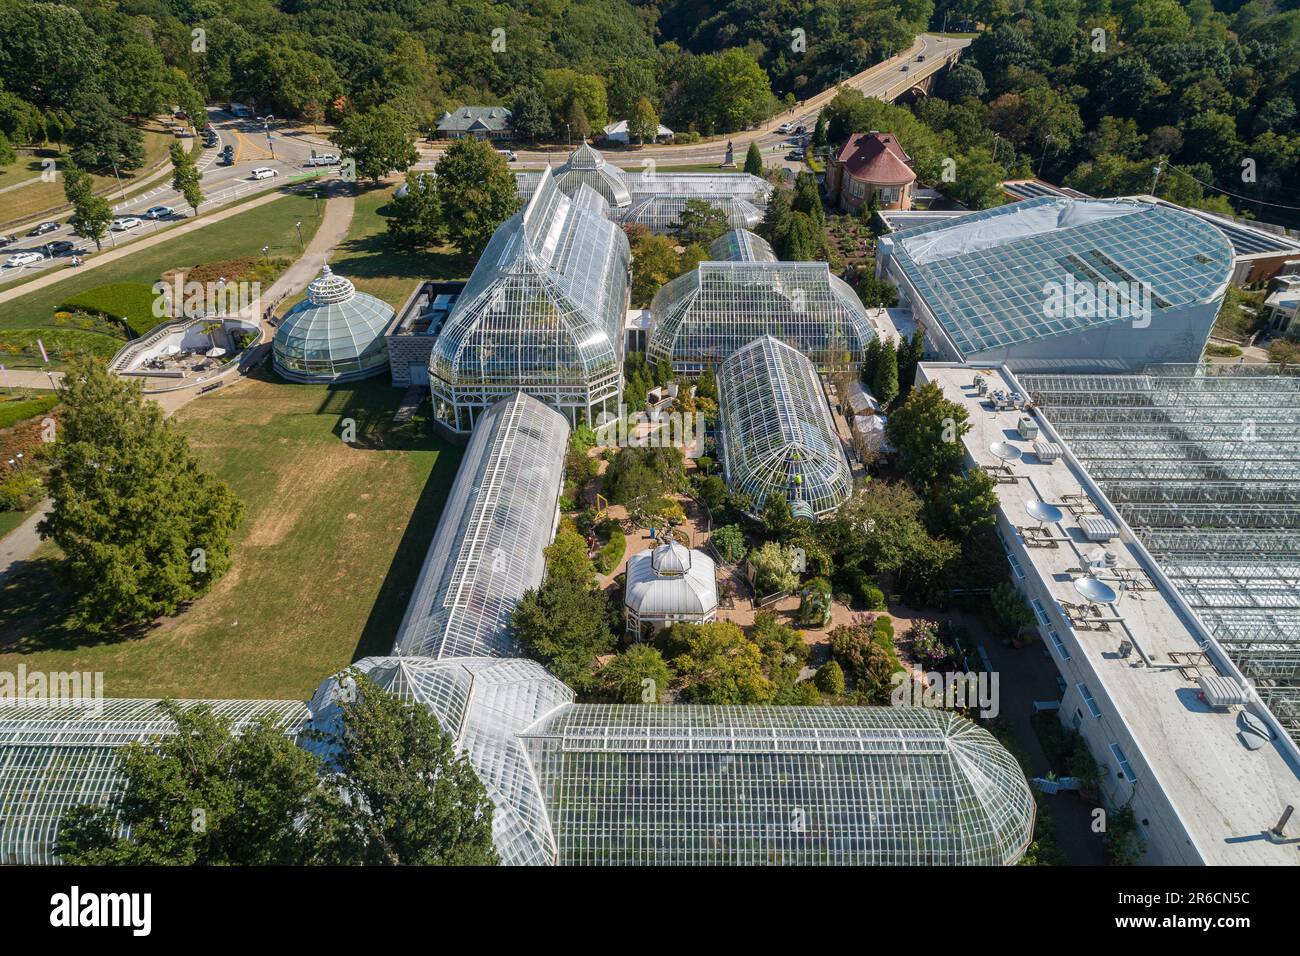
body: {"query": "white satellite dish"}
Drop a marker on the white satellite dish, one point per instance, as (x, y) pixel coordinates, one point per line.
(1042, 511)
(1005, 451)
(1099, 592)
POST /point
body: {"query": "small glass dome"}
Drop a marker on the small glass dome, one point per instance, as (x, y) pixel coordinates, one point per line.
(336, 334)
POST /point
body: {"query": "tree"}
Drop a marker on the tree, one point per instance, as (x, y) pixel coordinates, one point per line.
(643, 121)
(754, 160)
(958, 505)
(476, 193)
(118, 458)
(720, 665)
(91, 214)
(654, 262)
(566, 558)
(186, 176)
(699, 221)
(868, 657)
(808, 198)
(639, 675)
(248, 788)
(576, 123)
(406, 798)
(927, 430)
(416, 222)
(885, 384)
(565, 625)
(529, 117)
(378, 141)
(820, 137)
(773, 569)
(100, 139)
(909, 357)
(879, 527)
(775, 225)
(777, 517)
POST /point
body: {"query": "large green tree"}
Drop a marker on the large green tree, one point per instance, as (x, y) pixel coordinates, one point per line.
(186, 176)
(143, 528)
(476, 193)
(416, 221)
(927, 429)
(378, 141)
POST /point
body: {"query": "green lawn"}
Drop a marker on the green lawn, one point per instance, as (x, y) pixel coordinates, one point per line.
(37, 197)
(239, 236)
(325, 559)
(379, 268)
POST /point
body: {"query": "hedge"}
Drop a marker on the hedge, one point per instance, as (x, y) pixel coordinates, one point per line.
(13, 412)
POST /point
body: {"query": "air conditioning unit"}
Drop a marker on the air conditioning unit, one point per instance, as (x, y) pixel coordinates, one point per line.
(1027, 427)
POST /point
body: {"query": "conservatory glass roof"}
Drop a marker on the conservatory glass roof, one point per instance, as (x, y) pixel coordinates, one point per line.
(335, 333)
(488, 547)
(700, 785)
(741, 245)
(777, 433)
(54, 756)
(707, 314)
(546, 301)
(1204, 465)
(984, 275)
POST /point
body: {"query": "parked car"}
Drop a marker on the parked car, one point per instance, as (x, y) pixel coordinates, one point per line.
(795, 154)
(24, 258)
(322, 159)
(785, 128)
(7, 240)
(60, 247)
(159, 212)
(43, 228)
(801, 129)
(125, 223)
(264, 172)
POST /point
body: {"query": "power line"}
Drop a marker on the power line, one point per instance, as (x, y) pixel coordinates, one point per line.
(1275, 205)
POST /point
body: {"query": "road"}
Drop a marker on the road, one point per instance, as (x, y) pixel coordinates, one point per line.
(220, 184)
(886, 80)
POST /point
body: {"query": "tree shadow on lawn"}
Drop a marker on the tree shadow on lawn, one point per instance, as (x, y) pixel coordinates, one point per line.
(399, 583)
(37, 612)
(377, 257)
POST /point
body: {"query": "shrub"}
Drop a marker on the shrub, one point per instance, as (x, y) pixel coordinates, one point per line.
(729, 542)
(830, 679)
(1010, 609)
(19, 491)
(611, 552)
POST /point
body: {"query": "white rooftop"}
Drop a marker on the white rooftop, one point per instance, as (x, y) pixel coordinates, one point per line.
(1226, 795)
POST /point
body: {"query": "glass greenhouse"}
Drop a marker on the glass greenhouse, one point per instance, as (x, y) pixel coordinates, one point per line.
(336, 334)
(702, 317)
(693, 785)
(1204, 465)
(592, 784)
(654, 198)
(777, 435)
(543, 313)
(487, 552)
(54, 756)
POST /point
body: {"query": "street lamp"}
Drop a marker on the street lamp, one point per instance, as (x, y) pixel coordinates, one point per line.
(266, 127)
(265, 250)
(298, 225)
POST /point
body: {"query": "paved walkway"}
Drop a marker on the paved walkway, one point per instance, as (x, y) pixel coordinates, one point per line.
(22, 541)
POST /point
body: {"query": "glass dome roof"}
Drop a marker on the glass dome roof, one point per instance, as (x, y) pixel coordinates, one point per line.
(335, 334)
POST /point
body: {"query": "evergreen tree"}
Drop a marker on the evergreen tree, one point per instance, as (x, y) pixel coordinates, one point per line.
(820, 137)
(754, 160)
(885, 384)
(639, 675)
(118, 460)
(775, 225)
(529, 116)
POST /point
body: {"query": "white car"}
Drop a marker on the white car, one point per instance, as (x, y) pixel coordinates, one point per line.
(265, 172)
(323, 159)
(23, 259)
(125, 223)
(159, 212)
(785, 128)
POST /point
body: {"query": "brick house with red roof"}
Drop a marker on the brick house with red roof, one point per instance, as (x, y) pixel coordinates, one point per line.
(871, 163)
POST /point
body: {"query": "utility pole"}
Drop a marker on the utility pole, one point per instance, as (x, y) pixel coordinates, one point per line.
(119, 180)
(1155, 182)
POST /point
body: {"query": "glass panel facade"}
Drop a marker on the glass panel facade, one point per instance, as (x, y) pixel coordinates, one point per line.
(336, 334)
(777, 433)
